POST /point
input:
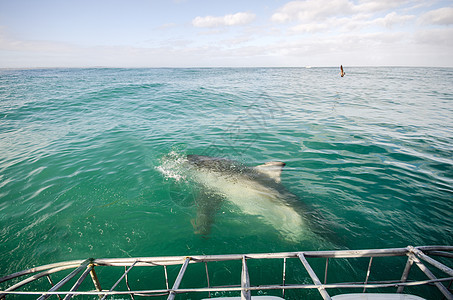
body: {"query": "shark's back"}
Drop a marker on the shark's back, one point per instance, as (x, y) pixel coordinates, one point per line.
(214, 163)
(270, 171)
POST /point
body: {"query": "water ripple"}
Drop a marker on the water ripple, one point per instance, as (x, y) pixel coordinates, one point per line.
(81, 150)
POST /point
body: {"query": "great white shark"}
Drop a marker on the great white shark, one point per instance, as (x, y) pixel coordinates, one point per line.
(255, 191)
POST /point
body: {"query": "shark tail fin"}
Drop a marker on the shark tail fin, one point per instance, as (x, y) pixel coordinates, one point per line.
(273, 169)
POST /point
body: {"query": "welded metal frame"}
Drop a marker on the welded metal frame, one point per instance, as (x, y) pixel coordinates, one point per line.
(415, 255)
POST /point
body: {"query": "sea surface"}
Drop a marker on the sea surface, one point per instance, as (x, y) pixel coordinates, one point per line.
(89, 159)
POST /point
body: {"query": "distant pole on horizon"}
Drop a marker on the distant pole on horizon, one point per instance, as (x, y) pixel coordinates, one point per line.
(342, 73)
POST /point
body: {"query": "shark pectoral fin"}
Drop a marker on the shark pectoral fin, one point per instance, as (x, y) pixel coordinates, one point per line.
(273, 169)
(207, 206)
(198, 230)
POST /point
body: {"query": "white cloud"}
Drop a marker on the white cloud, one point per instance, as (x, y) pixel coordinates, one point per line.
(319, 10)
(311, 10)
(339, 15)
(310, 28)
(374, 6)
(9, 44)
(441, 16)
(240, 18)
(436, 36)
(353, 23)
(392, 19)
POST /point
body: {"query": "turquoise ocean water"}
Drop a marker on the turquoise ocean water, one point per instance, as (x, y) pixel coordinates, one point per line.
(86, 158)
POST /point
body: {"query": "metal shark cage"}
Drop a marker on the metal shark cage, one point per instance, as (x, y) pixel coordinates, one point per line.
(79, 270)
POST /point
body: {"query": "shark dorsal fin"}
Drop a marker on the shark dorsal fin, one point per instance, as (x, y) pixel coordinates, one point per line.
(273, 169)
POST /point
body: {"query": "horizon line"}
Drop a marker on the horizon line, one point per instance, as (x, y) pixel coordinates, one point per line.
(221, 67)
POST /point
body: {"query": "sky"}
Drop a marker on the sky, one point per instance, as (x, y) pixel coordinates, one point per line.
(233, 33)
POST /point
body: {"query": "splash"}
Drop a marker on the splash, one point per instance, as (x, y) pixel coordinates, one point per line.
(171, 166)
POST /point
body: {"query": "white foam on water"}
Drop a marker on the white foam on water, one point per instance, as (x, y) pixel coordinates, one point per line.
(172, 166)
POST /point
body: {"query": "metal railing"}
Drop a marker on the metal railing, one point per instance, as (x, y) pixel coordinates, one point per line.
(420, 256)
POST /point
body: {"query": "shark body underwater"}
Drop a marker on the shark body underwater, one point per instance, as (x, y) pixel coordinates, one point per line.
(255, 191)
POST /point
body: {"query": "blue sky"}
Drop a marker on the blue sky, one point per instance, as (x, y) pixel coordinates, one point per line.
(189, 33)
